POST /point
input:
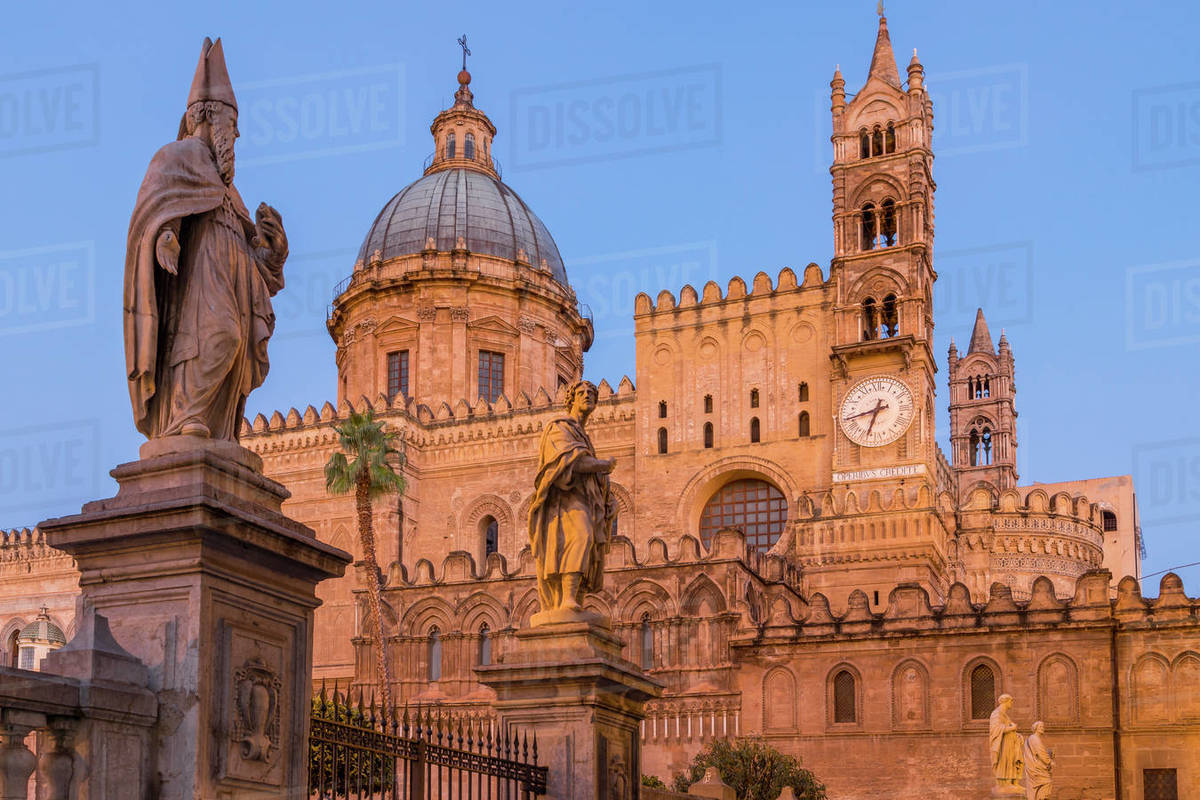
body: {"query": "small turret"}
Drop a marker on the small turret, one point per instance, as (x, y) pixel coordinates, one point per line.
(916, 73)
(838, 85)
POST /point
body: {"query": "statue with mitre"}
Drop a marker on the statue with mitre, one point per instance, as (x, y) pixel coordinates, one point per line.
(199, 275)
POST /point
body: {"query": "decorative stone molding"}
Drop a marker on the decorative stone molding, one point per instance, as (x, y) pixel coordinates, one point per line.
(256, 717)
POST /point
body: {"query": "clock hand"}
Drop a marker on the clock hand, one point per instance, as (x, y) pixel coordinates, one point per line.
(878, 407)
(875, 410)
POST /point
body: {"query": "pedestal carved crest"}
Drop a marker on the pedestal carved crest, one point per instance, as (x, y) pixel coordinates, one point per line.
(256, 711)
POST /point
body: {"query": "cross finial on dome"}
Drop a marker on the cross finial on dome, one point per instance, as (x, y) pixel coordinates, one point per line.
(462, 42)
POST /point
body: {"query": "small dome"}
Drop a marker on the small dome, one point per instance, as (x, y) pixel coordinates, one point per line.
(42, 631)
(467, 203)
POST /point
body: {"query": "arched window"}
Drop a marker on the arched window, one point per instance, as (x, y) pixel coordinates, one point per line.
(845, 699)
(864, 144)
(970, 387)
(662, 441)
(973, 447)
(804, 423)
(868, 226)
(755, 507)
(889, 139)
(469, 145)
(491, 535)
(754, 429)
(662, 409)
(803, 392)
(983, 692)
(754, 398)
(987, 386)
(13, 647)
(985, 448)
(708, 434)
(877, 142)
(435, 655)
(450, 146)
(708, 404)
(870, 319)
(890, 316)
(1109, 519)
(887, 222)
(647, 643)
(485, 645)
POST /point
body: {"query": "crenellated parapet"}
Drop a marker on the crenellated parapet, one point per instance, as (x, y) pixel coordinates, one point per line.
(1019, 534)
(419, 425)
(710, 296)
(910, 612)
(27, 545)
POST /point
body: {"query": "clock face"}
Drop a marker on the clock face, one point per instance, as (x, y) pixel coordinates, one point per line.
(876, 411)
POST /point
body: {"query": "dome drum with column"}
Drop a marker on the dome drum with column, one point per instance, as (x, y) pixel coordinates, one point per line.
(459, 291)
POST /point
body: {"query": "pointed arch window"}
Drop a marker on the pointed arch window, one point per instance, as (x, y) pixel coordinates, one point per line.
(708, 435)
(485, 645)
(887, 223)
(469, 145)
(870, 319)
(13, 647)
(877, 142)
(754, 398)
(491, 536)
(662, 409)
(889, 138)
(647, 636)
(987, 386)
(802, 391)
(980, 444)
(435, 655)
(864, 143)
(890, 316)
(868, 226)
(662, 441)
(755, 430)
(450, 146)
(804, 424)
(982, 691)
(708, 405)
(845, 697)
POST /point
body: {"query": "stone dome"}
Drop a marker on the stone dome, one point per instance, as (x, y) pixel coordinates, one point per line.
(462, 202)
(42, 631)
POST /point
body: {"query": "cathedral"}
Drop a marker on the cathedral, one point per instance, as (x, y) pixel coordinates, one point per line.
(795, 557)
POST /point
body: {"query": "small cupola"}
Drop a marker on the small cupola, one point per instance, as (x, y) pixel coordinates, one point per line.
(462, 134)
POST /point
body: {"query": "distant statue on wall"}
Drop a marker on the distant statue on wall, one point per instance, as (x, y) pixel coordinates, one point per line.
(1006, 746)
(1039, 761)
(199, 275)
(571, 513)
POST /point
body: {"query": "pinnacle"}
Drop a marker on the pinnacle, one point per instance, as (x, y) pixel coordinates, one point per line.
(981, 337)
(883, 60)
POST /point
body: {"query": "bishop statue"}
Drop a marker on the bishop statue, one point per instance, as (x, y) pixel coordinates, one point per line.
(199, 275)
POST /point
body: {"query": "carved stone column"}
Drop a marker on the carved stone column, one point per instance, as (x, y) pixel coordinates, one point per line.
(568, 684)
(17, 763)
(203, 579)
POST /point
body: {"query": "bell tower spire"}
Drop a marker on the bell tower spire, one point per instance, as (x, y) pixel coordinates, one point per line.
(883, 60)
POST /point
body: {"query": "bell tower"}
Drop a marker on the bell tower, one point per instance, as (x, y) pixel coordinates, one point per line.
(883, 239)
(983, 416)
(885, 459)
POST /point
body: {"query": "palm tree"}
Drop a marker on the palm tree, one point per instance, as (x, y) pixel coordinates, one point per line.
(369, 475)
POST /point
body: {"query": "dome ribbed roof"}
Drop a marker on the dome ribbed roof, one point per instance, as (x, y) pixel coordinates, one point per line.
(467, 203)
(42, 630)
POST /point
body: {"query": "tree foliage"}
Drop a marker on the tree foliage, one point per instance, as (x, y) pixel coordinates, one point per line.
(754, 769)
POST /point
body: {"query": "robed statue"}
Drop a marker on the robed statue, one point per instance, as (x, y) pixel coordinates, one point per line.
(1006, 747)
(1039, 761)
(199, 275)
(571, 513)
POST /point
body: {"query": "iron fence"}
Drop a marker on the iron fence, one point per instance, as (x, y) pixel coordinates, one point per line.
(359, 753)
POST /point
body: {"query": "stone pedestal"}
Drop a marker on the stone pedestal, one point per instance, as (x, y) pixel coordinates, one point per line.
(568, 684)
(204, 580)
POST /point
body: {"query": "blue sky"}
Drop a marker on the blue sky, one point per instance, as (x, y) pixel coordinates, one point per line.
(1067, 142)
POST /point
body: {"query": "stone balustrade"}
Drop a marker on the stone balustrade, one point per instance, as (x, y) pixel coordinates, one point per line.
(81, 727)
